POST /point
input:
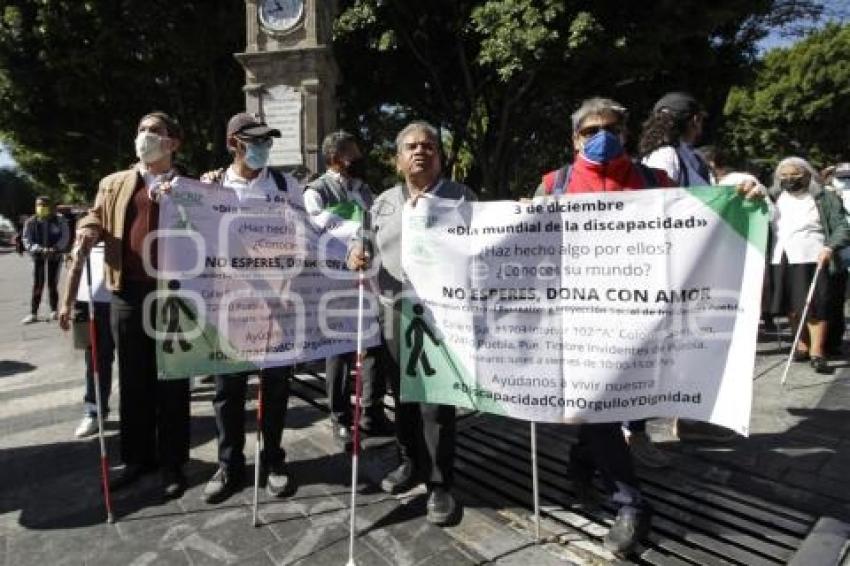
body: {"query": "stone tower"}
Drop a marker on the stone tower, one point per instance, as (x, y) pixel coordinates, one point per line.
(291, 75)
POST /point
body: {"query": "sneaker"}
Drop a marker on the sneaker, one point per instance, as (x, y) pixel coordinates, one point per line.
(645, 452)
(173, 482)
(222, 485)
(441, 506)
(820, 366)
(630, 527)
(87, 427)
(401, 479)
(278, 481)
(29, 319)
(800, 356)
(686, 429)
(128, 476)
(342, 436)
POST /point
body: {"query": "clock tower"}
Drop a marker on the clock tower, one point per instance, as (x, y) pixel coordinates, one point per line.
(291, 75)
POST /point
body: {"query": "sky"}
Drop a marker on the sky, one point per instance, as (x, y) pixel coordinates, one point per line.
(5, 159)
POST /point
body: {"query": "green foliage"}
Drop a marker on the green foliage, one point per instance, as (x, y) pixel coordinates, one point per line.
(17, 194)
(76, 76)
(501, 77)
(797, 102)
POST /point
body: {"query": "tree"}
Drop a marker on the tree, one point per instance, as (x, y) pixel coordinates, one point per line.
(797, 103)
(501, 77)
(17, 194)
(76, 76)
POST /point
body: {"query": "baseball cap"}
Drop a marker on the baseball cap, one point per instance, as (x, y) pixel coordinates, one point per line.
(244, 125)
(680, 104)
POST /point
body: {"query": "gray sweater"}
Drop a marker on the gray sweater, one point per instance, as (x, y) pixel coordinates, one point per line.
(385, 235)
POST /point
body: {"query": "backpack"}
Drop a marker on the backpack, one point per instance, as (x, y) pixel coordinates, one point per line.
(562, 178)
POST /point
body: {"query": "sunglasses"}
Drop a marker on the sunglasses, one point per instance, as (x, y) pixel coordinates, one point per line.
(591, 131)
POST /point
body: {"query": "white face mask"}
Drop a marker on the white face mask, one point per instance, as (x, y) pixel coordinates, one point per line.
(149, 147)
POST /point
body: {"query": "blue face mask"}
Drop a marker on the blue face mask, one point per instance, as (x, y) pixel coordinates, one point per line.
(602, 147)
(257, 155)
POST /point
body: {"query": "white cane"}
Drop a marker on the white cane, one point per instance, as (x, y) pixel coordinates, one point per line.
(534, 483)
(104, 459)
(358, 391)
(802, 322)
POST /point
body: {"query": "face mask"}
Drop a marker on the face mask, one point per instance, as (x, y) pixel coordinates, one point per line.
(602, 147)
(149, 147)
(257, 155)
(356, 169)
(792, 184)
(42, 211)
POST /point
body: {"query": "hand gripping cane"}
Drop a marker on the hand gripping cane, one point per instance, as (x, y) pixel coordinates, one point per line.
(104, 460)
(802, 322)
(358, 392)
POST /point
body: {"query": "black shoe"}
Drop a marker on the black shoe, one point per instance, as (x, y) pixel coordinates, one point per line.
(820, 366)
(441, 506)
(586, 496)
(128, 476)
(342, 436)
(173, 482)
(279, 483)
(223, 484)
(800, 356)
(377, 424)
(630, 527)
(401, 479)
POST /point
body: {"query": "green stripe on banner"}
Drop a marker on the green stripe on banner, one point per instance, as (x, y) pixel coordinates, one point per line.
(348, 210)
(746, 217)
(437, 374)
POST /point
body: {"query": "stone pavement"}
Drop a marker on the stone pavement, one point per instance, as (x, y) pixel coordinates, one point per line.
(798, 457)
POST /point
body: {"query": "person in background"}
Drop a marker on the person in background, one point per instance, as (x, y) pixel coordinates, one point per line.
(105, 345)
(339, 189)
(838, 180)
(45, 237)
(809, 226)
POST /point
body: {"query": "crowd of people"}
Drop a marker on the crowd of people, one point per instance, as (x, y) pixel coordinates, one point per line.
(808, 231)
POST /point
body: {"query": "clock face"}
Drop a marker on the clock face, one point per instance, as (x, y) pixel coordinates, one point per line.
(281, 15)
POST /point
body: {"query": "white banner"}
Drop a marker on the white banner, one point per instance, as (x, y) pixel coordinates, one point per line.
(250, 285)
(597, 307)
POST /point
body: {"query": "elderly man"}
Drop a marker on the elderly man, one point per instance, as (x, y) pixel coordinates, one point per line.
(425, 433)
(154, 413)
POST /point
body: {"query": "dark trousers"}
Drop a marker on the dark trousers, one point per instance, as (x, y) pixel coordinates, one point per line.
(154, 412)
(339, 386)
(105, 355)
(601, 446)
(229, 405)
(42, 263)
(425, 433)
(835, 321)
(636, 427)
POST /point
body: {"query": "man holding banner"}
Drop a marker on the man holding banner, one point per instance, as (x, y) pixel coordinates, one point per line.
(425, 433)
(154, 412)
(249, 141)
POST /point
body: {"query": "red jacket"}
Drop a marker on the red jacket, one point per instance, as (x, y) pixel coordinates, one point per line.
(619, 174)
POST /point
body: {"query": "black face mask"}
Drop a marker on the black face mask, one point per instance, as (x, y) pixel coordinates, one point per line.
(356, 168)
(792, 185)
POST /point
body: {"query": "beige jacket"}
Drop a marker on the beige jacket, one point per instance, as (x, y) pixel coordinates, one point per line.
(104, 221)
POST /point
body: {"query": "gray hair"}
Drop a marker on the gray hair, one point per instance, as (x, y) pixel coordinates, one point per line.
(334, 143)
(598, 106)
(814, 178)
(418, 126)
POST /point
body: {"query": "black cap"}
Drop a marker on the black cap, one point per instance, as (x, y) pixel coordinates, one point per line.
(680, 104)
(244, 125)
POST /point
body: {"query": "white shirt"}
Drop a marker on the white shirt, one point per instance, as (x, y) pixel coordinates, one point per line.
(666, 159)
(797, 229)
(100, 294)
(313, 201)
(261, 186)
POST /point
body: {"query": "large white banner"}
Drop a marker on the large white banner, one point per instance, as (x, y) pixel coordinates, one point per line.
(251, 284)
(598, 307)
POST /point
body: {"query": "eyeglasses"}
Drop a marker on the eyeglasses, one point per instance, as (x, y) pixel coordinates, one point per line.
(429, 147)
(590, 131)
